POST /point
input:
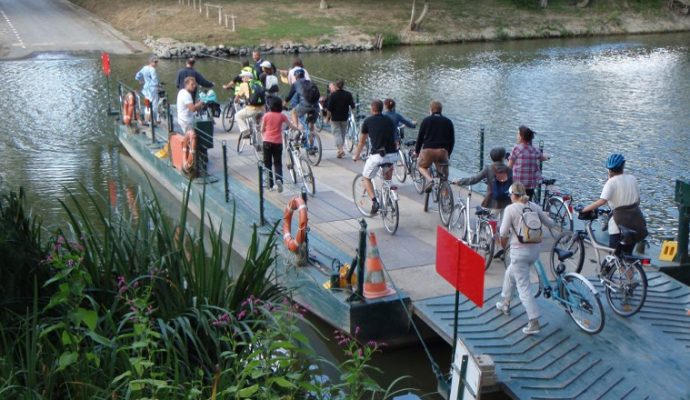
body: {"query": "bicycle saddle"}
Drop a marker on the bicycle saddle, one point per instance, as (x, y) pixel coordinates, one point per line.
(563, 254)
(548, 181)
(626, 233)
(410, 143)
(479, 211)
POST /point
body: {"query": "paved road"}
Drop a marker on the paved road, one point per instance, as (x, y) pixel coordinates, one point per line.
(28, 26)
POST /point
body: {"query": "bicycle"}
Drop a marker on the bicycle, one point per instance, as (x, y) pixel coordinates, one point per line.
(228, 114)
(297, 165)
(253, 139)
(163, 106)
(622, 275)
(558, 205)
(386, 194)
(574, 293)
(311, 141)
(482, 237)
(440, 193)
(352, 135)
(407, 165)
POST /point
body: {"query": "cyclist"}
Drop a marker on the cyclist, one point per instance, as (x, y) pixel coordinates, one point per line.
(381, 131)
(338, 105)
(522, 256)
(435, 142)
(622, 194)
(255, 105)
(304, 98)
(189, 70)
(398, 119)
(148, 77)
(524, 160)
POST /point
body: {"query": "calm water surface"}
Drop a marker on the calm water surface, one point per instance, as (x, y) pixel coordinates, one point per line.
(586, 98)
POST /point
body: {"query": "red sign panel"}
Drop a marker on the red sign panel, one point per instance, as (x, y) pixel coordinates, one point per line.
(105, 58)
(461, 266)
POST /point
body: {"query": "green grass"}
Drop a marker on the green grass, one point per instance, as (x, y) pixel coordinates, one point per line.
(277, 27)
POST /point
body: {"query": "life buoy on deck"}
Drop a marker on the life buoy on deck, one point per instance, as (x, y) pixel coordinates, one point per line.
(128, 109)
(296, 204)
(188, 151)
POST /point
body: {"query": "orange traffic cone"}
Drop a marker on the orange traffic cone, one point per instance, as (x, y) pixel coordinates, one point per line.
(374, 279)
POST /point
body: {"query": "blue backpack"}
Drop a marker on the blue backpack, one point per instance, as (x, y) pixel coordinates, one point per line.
(500, 185)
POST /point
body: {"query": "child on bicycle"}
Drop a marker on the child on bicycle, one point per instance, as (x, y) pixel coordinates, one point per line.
(524, 252)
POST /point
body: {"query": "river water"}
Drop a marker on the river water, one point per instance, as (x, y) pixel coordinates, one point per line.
(585, 98)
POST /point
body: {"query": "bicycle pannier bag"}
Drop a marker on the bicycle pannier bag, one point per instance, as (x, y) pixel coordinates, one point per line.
(257, 96)
(500, 185)
(530, 230)
(310, 92)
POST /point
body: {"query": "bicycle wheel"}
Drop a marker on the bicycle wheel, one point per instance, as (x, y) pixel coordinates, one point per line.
(583, 304)
(319, 122)
(628, 288)
(308, 176)
(314, 149)
(571, 242)
(400, 168)
(350, 138)
(558, 211)
(417, 178)
(445, 202)
(256, 145)
(485, 243)
(390, 214)
(228, 116)
(163, 111)
(241, 142)
(458, 222)
(291, 167)
(360, 196)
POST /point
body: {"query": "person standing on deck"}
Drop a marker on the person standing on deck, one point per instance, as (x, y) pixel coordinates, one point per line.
(435, 142)
(290, 75)
(189, 70)
(148, 77)
(339, 105)
(524, 160)
(186, 107)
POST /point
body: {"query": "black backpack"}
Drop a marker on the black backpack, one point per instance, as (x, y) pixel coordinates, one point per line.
(257, 95)
(310, 92)
(500, 185)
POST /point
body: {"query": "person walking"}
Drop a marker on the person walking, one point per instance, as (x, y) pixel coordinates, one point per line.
(522, 255)
(339, 105)
(524, 160)
(148, 78)
(435, 142)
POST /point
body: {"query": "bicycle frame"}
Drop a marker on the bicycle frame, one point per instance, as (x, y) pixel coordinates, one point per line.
(565, 198)
(558, 289)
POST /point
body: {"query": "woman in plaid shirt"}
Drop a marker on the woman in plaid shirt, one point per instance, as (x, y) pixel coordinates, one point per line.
(524, 160)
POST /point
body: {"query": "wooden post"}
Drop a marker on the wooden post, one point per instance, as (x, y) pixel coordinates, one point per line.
(233, 22)
(220, 12)
(226, 20)
(206, 9)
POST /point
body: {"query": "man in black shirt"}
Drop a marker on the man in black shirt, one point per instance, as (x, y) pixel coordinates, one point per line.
(338, 105)
(435, 143)
(189, 70)
(381, 131)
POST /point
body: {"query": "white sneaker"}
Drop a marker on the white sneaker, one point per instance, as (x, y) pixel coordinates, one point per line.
(279, 186)
(532, 327)
(503, 307)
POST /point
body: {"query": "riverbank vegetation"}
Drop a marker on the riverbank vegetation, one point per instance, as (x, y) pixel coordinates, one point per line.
(135, 305)
(273, 23)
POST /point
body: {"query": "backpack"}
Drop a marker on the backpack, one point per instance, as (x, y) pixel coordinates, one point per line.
(257, 95)
(310, 92)
(500, 185)
(271, 83)
(530, 230)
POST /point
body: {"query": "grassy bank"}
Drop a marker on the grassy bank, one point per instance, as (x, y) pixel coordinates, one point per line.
(276, 22)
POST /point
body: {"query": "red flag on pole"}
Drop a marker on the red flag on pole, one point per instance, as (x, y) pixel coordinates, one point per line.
(461, 266)
(105, 59)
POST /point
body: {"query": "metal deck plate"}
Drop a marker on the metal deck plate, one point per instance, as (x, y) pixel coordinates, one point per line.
(646, 356)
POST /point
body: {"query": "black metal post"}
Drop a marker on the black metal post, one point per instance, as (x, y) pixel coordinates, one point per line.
(541, 168)
(261, 193)
(225, 171)
(683, 231)
(153, 123)
(455, 321)
(481, 147)
(362, 257)
(303, 194)
(170, 118)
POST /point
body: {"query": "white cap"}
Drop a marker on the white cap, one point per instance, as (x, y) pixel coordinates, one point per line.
(265, 64)
(247, 74)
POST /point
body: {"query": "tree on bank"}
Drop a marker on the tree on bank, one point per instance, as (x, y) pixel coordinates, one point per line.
(416, 23)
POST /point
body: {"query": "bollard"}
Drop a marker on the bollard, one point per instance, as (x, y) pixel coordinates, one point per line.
(481, 147)
(261, 193)
(362, 257)
(225, 171)
(153, 123)
(682, 198)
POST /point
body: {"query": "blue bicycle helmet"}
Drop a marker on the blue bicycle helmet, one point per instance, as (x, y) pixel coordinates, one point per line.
(615, 161)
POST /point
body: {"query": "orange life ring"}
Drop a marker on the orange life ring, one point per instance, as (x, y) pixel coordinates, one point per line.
(128, 109)
(296, 204)
(188, 151)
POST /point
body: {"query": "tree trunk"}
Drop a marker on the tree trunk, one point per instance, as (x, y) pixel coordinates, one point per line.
(543, 3)
(416, 23)
(323, 5)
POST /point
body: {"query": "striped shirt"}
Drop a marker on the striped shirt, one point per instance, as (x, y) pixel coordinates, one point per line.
(526, 165)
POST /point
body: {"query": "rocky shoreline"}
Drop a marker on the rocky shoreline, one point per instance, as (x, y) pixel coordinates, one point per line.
(168, 48)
